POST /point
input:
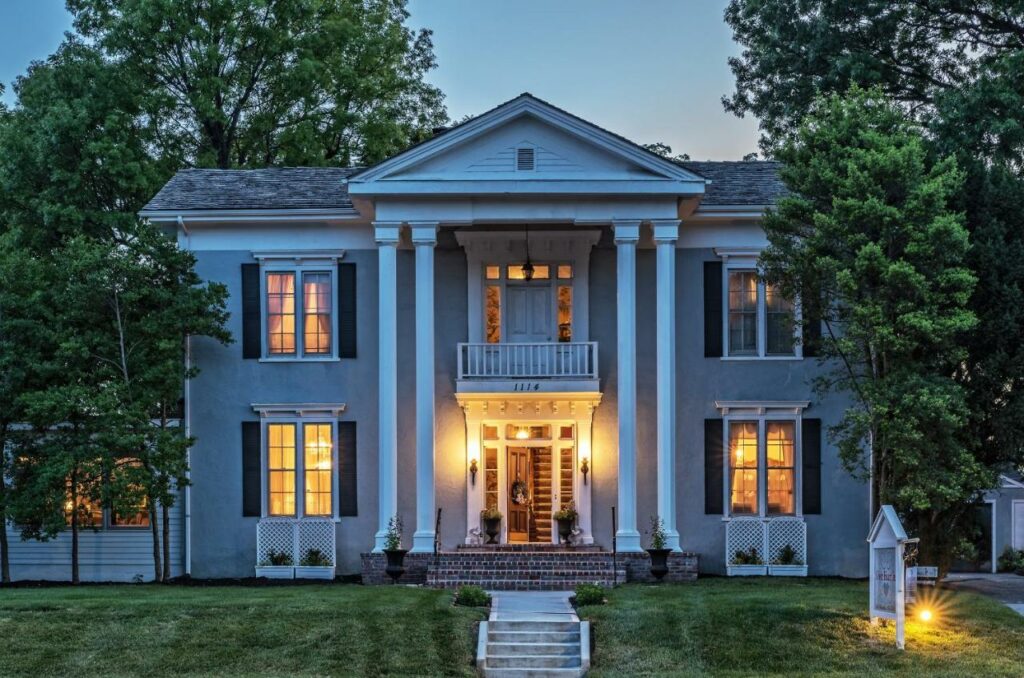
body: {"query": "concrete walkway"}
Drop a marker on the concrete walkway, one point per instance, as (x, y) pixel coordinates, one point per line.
(1006, 588)
(532, 606)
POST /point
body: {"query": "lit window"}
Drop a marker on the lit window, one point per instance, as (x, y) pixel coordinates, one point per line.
(743, 468)
(780, 453)
(281, 313)
(490, 432)
(540, 272)
(565, 271)
(137, 518)
(779, 321)
(564, 313)
(316, 310)
(492, 315)
(492, 272)
(317, 469)
(281, 469)
(517, 432)
(89, 509)
(742, 313)
(491, 477)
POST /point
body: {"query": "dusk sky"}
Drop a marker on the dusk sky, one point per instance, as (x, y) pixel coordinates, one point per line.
(652, 71)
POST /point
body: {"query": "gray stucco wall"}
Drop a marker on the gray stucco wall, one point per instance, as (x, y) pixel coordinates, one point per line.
(1003, 508)
(224, 543)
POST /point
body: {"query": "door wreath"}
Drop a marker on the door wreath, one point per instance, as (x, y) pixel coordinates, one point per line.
(519, 492)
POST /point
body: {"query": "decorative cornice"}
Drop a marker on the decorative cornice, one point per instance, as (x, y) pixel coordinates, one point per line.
(298, 256)
(266, 410)
(759, 407)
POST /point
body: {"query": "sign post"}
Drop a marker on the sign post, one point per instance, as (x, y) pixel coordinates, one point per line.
(887, 588)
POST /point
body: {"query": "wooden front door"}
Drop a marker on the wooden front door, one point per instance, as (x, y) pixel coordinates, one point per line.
(520, 490)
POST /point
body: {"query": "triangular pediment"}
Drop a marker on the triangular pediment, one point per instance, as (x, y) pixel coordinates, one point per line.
(521, 145)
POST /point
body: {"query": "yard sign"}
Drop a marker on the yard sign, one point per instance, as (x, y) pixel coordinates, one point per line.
(887, 590)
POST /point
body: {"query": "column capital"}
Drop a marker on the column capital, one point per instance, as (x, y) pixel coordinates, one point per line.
(665, 230)
(387, 232)
(424, 232)
(626, 230)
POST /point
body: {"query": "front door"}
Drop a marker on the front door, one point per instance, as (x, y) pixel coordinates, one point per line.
(529, 314)
(520, 490)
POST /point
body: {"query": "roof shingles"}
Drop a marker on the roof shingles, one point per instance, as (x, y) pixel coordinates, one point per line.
(742, 182)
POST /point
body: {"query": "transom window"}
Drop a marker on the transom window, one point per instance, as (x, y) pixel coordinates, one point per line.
(300, 306)
(760, 322)
(290, 475)
(762, 467)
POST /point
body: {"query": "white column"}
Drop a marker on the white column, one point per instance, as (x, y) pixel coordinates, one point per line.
(386, 235)
(666, 232)
(424, 237)
(626, 235)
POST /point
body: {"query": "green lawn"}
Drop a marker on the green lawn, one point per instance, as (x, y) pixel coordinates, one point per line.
(731, 627)
(159, 630)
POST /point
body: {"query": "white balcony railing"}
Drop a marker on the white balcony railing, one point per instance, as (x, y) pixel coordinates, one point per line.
(757, 545)
(575, 360)
(295, 537)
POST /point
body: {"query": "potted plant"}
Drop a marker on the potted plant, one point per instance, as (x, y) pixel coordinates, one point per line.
(315, 564)
(276, 565)
(746, 563)
(393, 549)
(786, 564)
(566, 517)
(492, 524)
(658, 552)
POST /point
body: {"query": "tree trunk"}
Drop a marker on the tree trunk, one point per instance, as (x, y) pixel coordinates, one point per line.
(74, 538)
(5, 560)
(167, 540)
(155, 530)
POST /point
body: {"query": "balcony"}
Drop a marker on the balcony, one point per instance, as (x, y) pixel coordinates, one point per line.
(528, 367)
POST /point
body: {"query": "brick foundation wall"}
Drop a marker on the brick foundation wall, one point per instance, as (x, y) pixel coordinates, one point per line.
(524, 568)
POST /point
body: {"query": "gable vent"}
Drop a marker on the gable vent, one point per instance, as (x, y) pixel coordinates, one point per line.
(525, 158)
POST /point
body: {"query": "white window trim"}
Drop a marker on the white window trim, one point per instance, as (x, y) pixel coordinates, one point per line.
(298, 263)
(746, 260)
(763, 412)
(298, 420)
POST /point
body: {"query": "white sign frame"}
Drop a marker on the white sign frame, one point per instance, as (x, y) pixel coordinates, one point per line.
(887, 537)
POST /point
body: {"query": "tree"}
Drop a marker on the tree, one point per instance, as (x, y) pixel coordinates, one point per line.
(869, 243)
(665, 151)
(955, 67)
(251, 83)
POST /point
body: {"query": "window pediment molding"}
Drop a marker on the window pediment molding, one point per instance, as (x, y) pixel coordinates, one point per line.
(298, 410)
(761, 407)
(298, 257)
(747, 254)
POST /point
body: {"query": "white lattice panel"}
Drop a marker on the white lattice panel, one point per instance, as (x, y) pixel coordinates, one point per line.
(744, 534)
(316, 534)
(275, 534)
(790, 532)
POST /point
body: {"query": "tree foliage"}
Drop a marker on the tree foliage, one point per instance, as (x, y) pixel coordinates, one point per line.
(869, 243)
(251, 83)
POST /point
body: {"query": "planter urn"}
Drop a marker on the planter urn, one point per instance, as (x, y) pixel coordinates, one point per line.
(659, 562)
(564, 530)
(492, 526)
(395, 567)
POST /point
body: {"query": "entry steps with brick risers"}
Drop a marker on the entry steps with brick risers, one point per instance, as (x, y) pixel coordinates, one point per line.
(533, 634)
(524, 567)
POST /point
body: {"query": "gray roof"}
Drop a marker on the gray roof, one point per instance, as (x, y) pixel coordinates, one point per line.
(732, 183)
(740, 182)
(271, 188)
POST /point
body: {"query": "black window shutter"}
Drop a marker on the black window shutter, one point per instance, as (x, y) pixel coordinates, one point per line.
(810, 434)
(251, 311)
(251, 476)
(713, 309)
(713, 478)
(346, 311)
(812, 336)
(348, 504)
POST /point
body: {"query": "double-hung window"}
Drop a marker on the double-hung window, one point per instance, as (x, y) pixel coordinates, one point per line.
(300, 309)
(762, 467)
(759, 321)
(299, 469)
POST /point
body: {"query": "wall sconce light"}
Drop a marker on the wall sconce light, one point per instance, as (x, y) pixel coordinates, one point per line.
(472, 470)
(584, 469)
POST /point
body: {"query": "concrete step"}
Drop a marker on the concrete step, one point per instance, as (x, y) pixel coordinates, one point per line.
(533, 673)
(533, 649)
(532, 662)
(534, 637)
(533, 626)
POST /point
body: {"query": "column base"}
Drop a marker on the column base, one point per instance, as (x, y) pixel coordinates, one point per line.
(628, 541)
(672, 540)
(423, 542)
(379, 540)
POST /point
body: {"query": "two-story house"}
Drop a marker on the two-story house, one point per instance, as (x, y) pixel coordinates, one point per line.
(524, 311)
